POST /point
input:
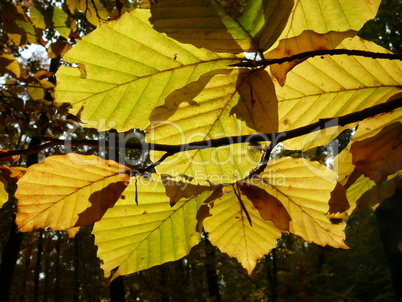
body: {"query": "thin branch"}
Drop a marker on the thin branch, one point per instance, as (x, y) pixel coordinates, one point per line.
(317, 53)
(274, 138)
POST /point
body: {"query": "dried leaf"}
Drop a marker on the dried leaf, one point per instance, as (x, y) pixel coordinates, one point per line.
(269, 207)
(380, 155)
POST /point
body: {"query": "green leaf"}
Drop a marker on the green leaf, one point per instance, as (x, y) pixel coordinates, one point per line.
(134, 237)
(60, 19)
(121, 85)
(37, 18)
(260, 25)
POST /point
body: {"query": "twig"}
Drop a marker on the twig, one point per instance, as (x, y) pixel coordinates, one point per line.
(274, 138)
(317, 53)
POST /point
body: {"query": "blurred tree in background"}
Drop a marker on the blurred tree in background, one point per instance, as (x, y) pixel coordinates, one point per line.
(50, 266)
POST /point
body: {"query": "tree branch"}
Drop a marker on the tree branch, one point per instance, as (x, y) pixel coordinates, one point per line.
(316, 53)
(274, 138)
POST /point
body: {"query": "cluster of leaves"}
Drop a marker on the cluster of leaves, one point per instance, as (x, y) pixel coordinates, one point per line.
(201, 94)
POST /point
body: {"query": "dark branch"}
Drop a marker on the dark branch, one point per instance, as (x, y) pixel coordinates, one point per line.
(317, 53)
(274, 138)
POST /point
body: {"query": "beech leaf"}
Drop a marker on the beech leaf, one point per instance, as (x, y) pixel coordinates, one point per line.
(380, 155)
(334, 86)
(228, 229)
(304, 188)
(257, 29)
(65, 191)
(269, 207)
(115, 66)
(134, 237)
(3, 191)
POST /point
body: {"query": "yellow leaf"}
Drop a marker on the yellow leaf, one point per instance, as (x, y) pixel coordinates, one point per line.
(117, 69)
(343, 165)
(95, 11)
(322, 17)
(68, 190)
(10, 65)
(37, 90)
(334, 86)
(371, 126)
(229, 230)
(304, 188)
(216, 165)
(356, 190)
(307, 41)
(368, 194)
(3, 191)
(134, 237)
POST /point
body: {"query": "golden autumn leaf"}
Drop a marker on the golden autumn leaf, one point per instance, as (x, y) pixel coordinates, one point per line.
(334, 86)
(304, 188)
(269, 207)
(3, 191)
(229, 229)
(65, 191)
(306, 41)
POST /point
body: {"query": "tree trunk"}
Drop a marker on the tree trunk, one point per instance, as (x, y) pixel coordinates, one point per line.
(9, 260)
(58, 295)
(117, 291)
(12, 248)
(212, 278)
(38, 266)
(272, 276)
(76, 270)
(25, 274)
(389, 215)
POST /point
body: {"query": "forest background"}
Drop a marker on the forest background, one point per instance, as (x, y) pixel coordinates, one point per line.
(46, 265)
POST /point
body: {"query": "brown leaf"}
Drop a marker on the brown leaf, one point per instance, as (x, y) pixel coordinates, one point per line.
(14, 173)
(338, 202)
(178, 189)
(380, 155)
(101, 201)
(9, 158)
(203, 211)
(269, 207)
